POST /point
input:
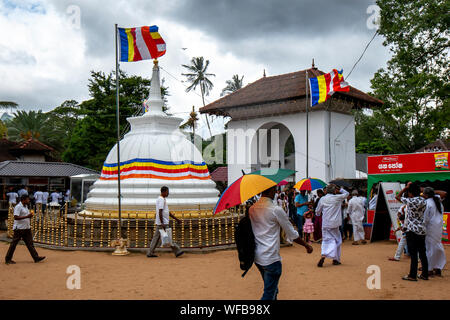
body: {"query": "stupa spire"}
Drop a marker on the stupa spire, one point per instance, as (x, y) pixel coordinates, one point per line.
(155, 102)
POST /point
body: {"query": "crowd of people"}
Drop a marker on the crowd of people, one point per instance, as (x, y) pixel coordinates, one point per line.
(333, 215)
(329, 217)
(39, 195)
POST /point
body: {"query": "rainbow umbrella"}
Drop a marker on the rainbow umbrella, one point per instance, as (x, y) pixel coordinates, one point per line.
(310, 184)
(250, 185)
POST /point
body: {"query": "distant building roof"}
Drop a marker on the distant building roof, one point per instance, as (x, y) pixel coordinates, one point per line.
(282, 88)
(220, 174)
(32, 145)
(41, 169)
(438, 144)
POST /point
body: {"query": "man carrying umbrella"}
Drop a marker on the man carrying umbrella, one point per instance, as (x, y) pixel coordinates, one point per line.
(330, 208)
(266, 219)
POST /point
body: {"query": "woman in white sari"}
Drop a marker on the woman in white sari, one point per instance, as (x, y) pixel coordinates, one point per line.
(434, 222)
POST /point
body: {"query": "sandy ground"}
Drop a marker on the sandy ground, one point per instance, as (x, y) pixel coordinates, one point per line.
(213, 275)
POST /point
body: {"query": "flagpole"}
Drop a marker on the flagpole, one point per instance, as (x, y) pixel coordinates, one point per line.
(118, 136)
(307, 125)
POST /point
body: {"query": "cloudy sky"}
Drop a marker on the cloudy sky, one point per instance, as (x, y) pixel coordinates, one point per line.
(49, 47)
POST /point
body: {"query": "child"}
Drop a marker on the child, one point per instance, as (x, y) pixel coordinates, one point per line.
(308, 226)
(402, 243)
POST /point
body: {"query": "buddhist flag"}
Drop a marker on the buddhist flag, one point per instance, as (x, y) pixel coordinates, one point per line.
(140, 44)
(322, 87)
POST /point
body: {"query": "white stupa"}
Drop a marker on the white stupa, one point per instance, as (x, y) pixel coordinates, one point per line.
(153, 154)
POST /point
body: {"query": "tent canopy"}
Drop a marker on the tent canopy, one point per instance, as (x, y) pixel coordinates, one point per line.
(405, 177)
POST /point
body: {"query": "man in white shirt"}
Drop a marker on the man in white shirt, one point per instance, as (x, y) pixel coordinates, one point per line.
(12, 197)
(55, 196)
(22, 230)
(38, 198)
(373, 201)
(266, 219)
(67, 196)
(22, 191)
(162, 215)
(45, 196)
(356, 212)
(330, 208)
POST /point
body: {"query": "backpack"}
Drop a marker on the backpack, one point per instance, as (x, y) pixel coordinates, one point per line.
(245, 243)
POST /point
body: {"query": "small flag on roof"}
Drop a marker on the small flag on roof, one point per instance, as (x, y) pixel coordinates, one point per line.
(140, 44)
(322, 87)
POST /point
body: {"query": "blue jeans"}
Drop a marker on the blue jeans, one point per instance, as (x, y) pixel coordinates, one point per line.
(271, 276)
(299, 222)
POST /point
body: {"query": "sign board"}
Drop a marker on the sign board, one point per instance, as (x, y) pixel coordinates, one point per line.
(390, 190)
(409, 163)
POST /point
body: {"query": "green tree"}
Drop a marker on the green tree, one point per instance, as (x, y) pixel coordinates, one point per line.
(95, 131)
(8, 105)
(198, 76)
(3, 130)
(191, 122)
(34, 124)
(415, 85)
(233, 85)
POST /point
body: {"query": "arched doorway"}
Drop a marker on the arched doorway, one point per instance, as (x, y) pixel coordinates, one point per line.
(273, 146)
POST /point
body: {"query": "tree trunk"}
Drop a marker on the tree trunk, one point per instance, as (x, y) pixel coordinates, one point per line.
(206, 115)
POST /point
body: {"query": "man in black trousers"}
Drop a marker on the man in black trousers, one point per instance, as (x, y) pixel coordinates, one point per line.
(415, 230)
(22, 230)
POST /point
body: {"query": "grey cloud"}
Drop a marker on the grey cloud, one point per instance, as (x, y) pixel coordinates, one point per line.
(15, 57)
(98, 19)
(233, 20)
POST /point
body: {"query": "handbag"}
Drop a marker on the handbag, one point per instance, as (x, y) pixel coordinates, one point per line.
(166, 237)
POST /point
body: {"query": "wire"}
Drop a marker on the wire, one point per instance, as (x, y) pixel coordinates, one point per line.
(171, 75)
(365, 49)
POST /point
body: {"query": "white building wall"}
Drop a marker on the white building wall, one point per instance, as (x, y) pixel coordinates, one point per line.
(342, 144)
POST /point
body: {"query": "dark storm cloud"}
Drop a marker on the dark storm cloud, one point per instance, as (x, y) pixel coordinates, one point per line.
(98, 18)
(243, 19)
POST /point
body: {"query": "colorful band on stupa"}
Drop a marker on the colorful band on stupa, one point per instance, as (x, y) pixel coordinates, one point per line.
(156, 169)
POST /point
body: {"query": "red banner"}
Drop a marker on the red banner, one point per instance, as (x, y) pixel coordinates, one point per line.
(408, 163)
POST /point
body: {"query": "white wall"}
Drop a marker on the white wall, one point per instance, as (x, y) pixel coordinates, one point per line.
(342, 144)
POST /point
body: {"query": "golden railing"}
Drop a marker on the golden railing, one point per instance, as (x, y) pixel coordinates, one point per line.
(57, 228)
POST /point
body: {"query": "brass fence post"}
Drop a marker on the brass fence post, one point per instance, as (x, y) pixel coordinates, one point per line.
(220, 231)
(182, 231)
(109, 230)
(83, 231)
(75, 227)
(91, 244)
(137, 230)
(146, 231)
(101, 230)
(190, 230)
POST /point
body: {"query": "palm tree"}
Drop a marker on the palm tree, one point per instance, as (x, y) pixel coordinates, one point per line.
(36, 125)
(8, 105)
(233, 85)
(198, 76)
(190, 123)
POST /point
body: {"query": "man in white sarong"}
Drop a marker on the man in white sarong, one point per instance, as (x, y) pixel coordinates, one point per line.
(434, 222)
(356, 211)
(330, 208)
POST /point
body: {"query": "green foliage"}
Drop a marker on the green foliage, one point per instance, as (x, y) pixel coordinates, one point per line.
(94, 132)
(233, 85)
(3, 130)
(415, 85)
(8, 105)
(376, 146)
(198, 76)
(36, 125)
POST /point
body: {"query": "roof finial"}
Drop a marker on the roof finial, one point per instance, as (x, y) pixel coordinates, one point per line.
(264, 73)
(313, 66)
